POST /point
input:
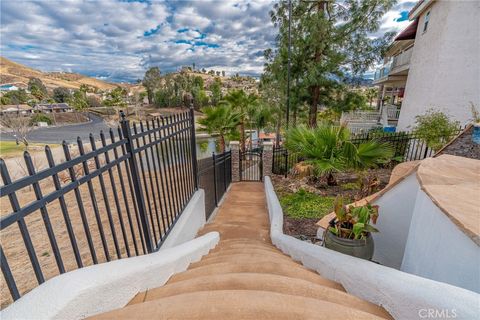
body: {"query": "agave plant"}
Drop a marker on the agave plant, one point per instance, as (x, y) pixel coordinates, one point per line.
(329, 149)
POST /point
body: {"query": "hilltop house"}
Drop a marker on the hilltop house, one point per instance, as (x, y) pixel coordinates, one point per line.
(433, 63)
(52, 107)
(20, 109)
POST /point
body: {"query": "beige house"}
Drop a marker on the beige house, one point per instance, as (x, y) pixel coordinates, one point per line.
(434, 62)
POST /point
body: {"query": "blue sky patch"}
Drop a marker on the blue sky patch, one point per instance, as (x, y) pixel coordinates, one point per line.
(403, 16)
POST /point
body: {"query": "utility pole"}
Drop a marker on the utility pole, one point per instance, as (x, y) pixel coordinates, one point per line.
(289, 54)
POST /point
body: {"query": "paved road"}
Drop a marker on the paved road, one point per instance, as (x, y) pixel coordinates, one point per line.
(68, 133)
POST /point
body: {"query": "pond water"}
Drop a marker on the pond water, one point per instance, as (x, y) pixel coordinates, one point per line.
(207, 145)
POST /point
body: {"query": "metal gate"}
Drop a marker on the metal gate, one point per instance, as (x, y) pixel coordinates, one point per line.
(251, 168)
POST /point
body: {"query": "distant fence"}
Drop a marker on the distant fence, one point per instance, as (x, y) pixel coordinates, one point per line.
(408, 146)
(283, 161)
(214, 177)
(110, 200)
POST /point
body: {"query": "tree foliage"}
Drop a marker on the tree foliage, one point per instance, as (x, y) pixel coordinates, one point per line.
(116, 98)
(61, 94)
(221, 120)
(329, 40)
(151, 81)
(37, 88)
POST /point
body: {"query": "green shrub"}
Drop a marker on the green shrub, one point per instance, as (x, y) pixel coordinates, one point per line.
(303, 204)
(435, 128)
(41, 117)
(350, 186)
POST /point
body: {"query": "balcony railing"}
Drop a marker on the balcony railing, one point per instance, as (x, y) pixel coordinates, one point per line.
(383, 71)
(402, 59)
(393, 112)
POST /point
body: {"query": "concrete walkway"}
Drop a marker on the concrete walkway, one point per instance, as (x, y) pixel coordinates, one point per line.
(246, 277)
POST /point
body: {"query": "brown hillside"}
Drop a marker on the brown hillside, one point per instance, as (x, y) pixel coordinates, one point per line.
(11, 72)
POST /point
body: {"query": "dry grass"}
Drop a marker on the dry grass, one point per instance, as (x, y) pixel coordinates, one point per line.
(14, 72)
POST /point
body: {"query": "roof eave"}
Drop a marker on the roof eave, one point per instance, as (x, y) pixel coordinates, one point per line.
(419, 8)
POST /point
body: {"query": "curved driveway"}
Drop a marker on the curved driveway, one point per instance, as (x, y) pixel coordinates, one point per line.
(68, 133)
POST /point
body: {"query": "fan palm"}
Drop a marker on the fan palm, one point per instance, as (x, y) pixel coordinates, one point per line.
(241, 102)
(329, 149)
(221, 120)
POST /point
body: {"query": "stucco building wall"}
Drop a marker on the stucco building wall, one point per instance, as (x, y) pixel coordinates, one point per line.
(444, 68)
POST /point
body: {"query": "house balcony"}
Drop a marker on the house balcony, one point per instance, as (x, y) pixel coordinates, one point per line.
(395, 70)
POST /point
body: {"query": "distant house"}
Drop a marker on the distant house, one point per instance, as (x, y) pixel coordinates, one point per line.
(21, 109)
(52, 107)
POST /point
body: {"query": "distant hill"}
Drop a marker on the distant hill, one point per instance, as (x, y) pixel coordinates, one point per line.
(12, 72)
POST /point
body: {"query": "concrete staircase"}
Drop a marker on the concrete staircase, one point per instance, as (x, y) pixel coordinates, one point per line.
(246, 277)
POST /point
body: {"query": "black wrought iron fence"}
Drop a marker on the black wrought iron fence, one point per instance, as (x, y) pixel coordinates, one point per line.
(283, 161)
(105, 200)
(215, 176)
(408, 146)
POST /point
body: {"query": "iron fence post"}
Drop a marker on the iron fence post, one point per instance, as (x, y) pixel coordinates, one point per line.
(214, 179)
(142, 210)
(286, 162)
(194, 147)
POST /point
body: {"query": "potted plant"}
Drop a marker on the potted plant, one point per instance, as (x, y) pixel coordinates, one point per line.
(350, 231)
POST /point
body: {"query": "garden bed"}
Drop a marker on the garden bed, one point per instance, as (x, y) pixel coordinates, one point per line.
(305, 200)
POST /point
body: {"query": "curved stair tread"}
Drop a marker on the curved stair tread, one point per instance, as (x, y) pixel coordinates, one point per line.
(237, 304)
(249, 250)
(252, 256)
(265, 267)
(265, 282)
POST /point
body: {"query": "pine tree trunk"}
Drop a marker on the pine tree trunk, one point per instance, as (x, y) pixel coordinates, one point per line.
(312, 115)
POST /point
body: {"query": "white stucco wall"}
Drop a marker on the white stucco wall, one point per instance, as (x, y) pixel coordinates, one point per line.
(444, 68)
(437, 249)
(396, 208)
(403, 295)
(191, 220)
(103, 287)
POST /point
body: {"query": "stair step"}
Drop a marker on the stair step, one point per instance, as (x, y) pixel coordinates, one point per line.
(264, 282)
(237, 304)
(268, 267)
(245, 258)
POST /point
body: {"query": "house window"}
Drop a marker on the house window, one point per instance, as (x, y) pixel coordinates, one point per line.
(425, 24)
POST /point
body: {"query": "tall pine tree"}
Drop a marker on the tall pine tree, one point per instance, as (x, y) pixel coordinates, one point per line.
(329, 39)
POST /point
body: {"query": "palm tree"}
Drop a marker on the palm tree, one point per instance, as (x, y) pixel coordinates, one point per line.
(329, 149)
(221, 120)
(259, 116)
(241, 102)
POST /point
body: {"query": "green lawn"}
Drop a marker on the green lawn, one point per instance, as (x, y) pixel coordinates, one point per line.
(10, 149)
(303, 204)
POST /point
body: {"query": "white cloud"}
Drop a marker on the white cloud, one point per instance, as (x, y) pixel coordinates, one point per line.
(120, 39)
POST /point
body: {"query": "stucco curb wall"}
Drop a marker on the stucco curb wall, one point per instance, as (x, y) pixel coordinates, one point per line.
(96, 289)
(189, 223)
(403, 295)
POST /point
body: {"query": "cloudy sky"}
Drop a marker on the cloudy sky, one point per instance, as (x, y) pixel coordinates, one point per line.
(117, 40)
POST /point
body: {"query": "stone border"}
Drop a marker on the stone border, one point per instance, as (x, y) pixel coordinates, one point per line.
(403, 295)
